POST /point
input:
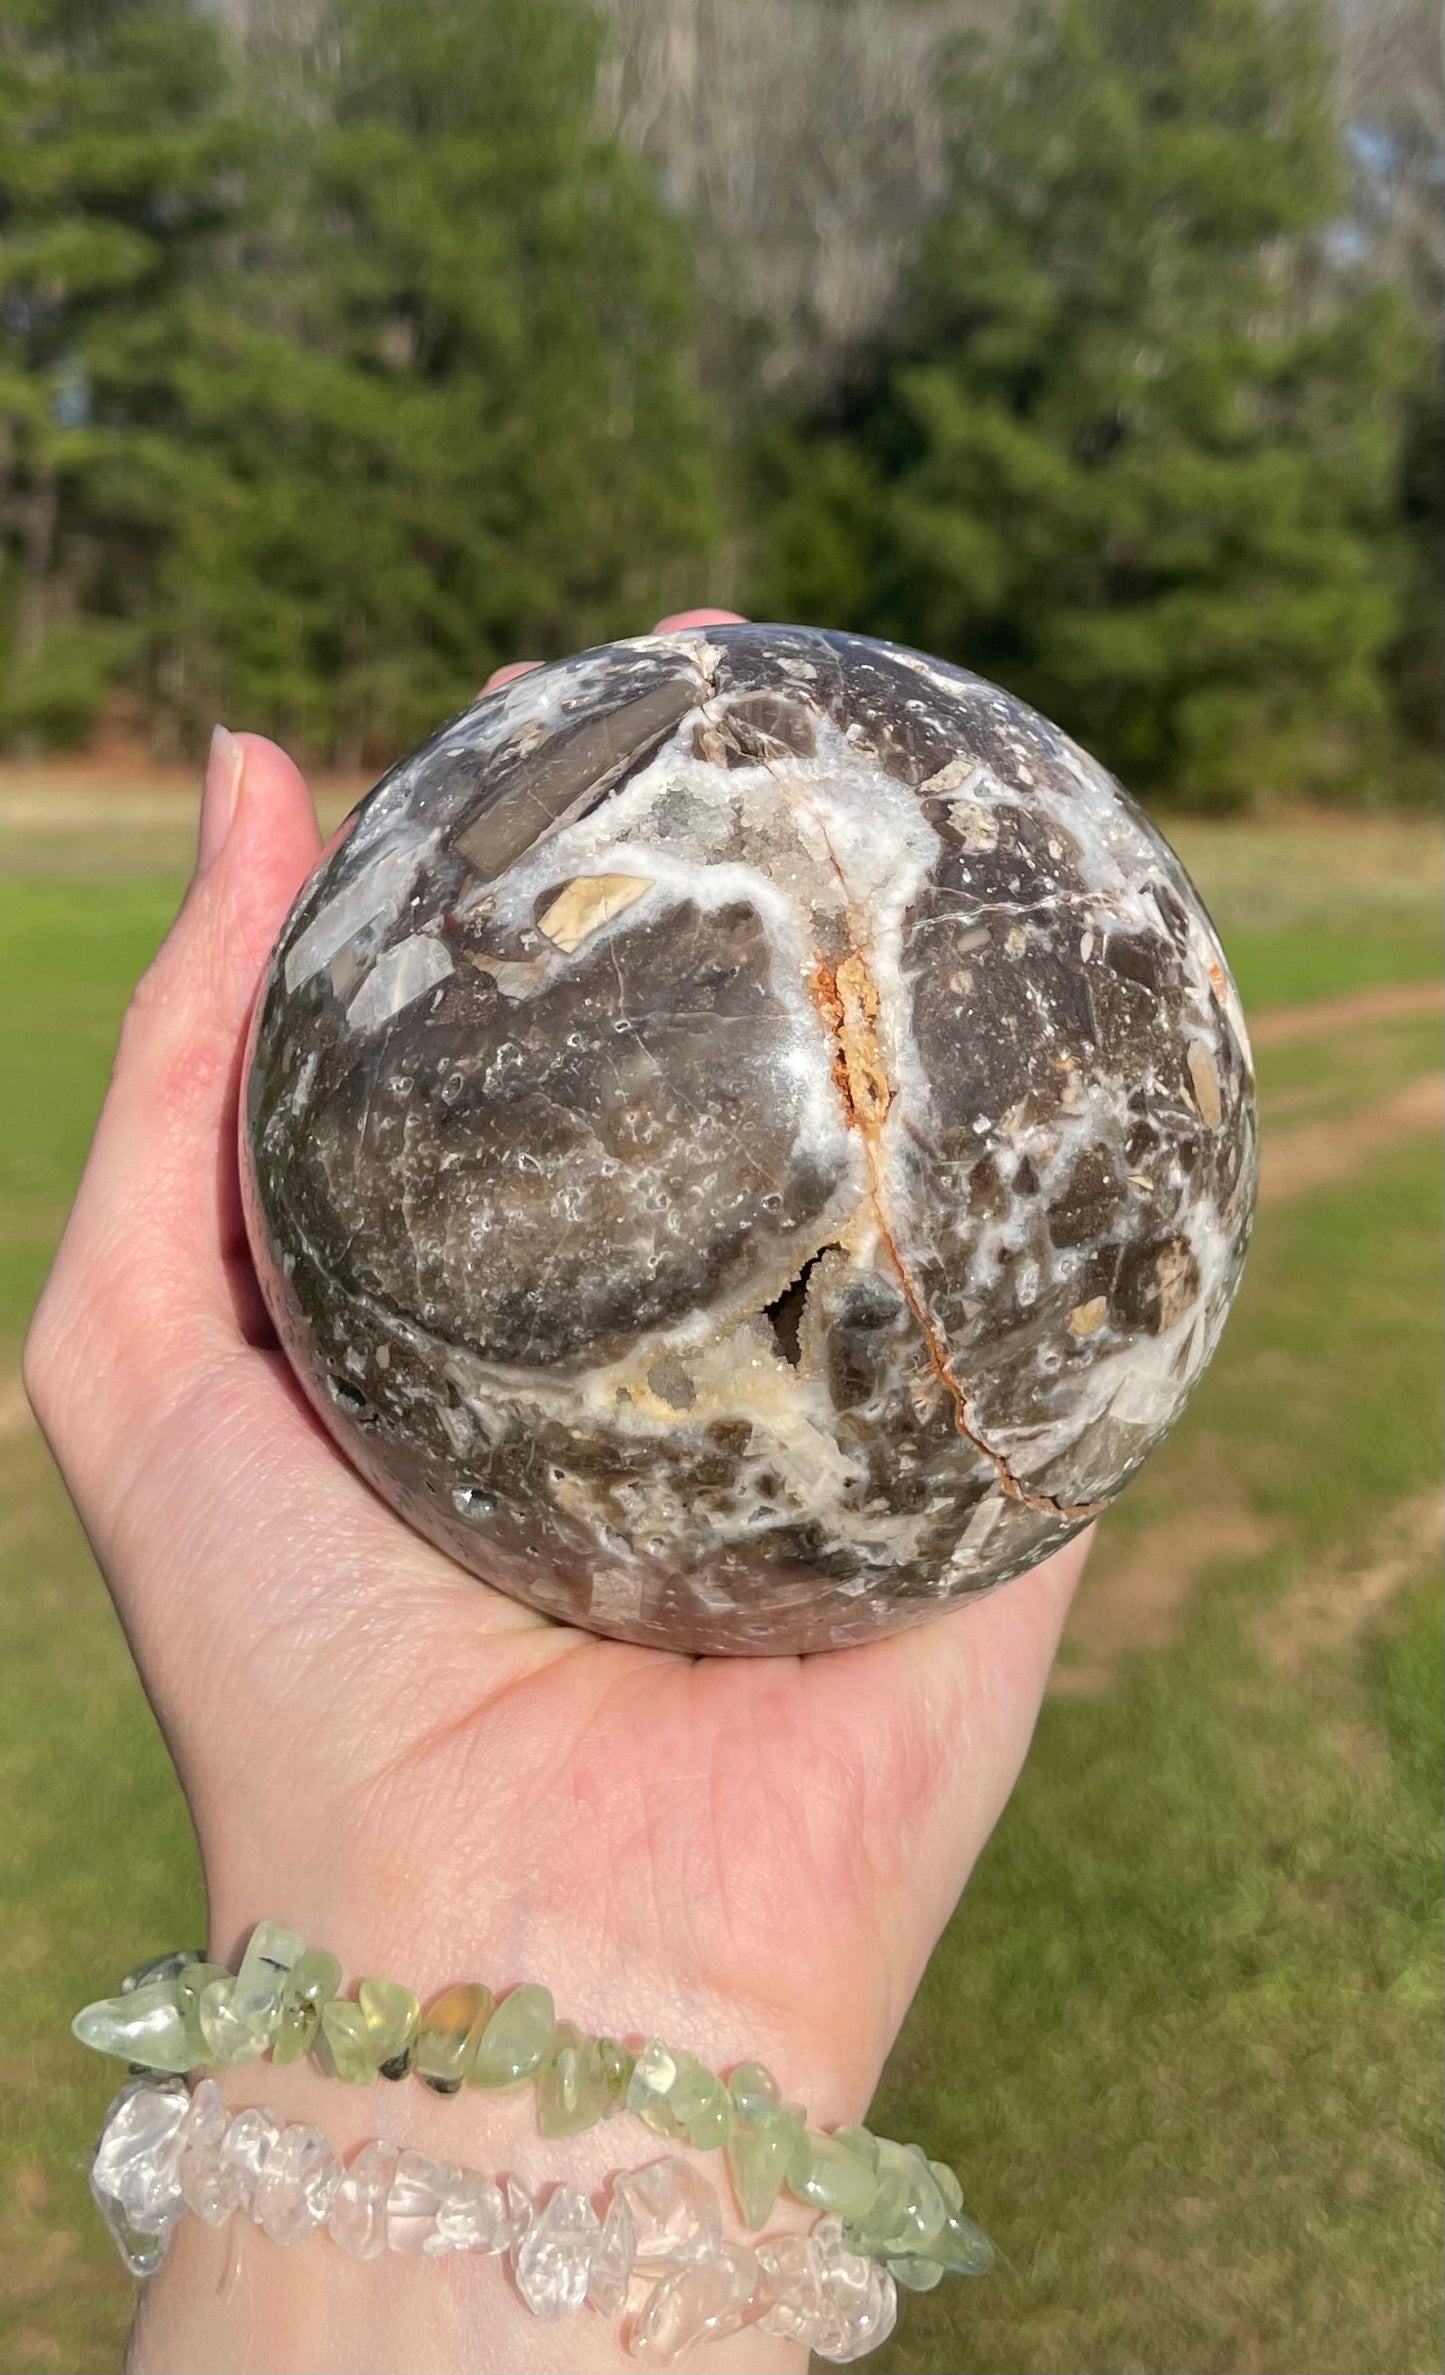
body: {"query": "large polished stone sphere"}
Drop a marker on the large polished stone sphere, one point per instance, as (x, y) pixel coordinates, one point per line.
(750, 1138)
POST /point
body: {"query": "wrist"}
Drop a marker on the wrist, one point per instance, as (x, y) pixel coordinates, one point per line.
(619, 1979)
(232, 2299)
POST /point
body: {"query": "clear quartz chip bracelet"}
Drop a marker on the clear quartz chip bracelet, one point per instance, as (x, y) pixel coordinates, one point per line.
(656, 2250)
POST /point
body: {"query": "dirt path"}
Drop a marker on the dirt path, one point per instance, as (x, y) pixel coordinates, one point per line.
(1335, 1600)
(1324, 1016)
(1140, 1604)
(1320, 1154)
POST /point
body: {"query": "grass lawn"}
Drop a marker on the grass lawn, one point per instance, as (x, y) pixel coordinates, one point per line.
(1183, 2035)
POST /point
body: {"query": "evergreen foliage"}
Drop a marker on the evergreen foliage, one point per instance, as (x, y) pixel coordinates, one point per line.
(316, 411)
(444, 412)
(336, 368)
(117, 166)
(1136, 456)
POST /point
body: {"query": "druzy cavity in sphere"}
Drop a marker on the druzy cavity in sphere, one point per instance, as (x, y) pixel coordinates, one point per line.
(749, 1139)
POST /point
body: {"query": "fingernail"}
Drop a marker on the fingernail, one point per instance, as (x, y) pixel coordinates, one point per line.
(224, 767)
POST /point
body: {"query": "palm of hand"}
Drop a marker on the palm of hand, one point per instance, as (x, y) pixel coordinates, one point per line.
(411, 1766)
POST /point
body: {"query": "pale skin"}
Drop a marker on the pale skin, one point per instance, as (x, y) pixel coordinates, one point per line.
(748, 1857)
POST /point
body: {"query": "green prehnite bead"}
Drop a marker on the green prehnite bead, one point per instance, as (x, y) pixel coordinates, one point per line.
(656, 2115)
(947, 2184)
(653, 2071)
(758, 2159)
(344, 2044)
(831, 2177)
(571, 2094)
(960, 2248)
(190, 1985)
(144, 2026)
(392, 2015)
(700, 2104)
(314, 1978)
(908, 2209)
(915, 2275)
(927, 2207)
(888, 2220)
(160, 1966)
(227, 2039)
(755, 2093)
(266, 1966)
(693, 2085)
(515, 2042)
(612, 2067)
(862, 2145)
(450, 2032)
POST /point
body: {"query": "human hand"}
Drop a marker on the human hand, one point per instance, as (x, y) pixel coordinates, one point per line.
(749, 1857)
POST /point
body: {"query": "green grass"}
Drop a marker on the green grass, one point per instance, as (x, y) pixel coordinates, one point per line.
(1182, 2036)
(69, 954)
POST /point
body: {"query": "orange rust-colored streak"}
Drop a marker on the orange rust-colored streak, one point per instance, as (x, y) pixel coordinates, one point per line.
(846, 997)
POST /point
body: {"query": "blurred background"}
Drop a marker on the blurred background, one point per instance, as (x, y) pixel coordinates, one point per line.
(351, 347)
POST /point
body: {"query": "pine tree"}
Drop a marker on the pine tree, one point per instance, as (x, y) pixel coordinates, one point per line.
(1137, 458)
(117, 159)
(444, 415)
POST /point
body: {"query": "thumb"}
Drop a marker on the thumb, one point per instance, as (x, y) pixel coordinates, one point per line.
(151, 1272)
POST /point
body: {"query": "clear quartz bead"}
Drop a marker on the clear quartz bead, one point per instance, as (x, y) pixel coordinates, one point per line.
(834, 2301)
(859, 2298)
(696, 2305)
(552, 2262)
(133, 2171)
(610, 2271)
(210, 2186)
(205, 2122)
(472, 2216)
(418, 2191)
(675, 2216)
(293, 2192)
(250, 2139)
(357, 2217)
(791, 2286)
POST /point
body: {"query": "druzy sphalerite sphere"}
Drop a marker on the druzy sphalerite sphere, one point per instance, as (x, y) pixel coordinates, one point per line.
(750, 1138)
